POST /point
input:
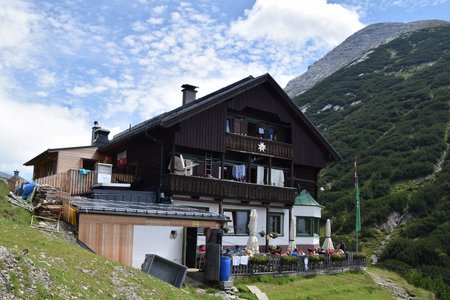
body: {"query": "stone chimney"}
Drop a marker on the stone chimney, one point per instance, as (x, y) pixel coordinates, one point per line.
(96, 126)
(188, 93)
(99, 135)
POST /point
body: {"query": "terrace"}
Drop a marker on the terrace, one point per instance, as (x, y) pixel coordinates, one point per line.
(302, 265)
(76, 183)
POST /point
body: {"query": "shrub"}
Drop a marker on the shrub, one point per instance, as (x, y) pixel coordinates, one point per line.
(259, 260)
(285, 259)
(337, 256)
(316, 258)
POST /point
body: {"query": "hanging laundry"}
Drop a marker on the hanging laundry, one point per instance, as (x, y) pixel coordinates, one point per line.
(236, 260)
(277, 177)
(244, 260)
(259, 175)
(238, 172)
(270, 132)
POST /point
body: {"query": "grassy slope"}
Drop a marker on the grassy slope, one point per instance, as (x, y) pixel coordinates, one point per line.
(77, 273)
(349, 285)
(74, 272)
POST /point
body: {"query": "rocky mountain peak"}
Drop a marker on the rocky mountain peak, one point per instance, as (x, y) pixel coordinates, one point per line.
(353, 48)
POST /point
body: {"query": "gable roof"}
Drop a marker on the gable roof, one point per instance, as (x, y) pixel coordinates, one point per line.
(305, 199)
(183, 112)
(47, 154)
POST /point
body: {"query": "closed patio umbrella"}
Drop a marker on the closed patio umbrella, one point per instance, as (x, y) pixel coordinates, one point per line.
(292, 233)
(252, 243)
(328, 243)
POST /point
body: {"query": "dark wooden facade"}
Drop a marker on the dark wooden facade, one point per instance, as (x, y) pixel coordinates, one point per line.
(201, 132)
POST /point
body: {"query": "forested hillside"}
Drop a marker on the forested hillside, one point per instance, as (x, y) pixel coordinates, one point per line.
(391, 110)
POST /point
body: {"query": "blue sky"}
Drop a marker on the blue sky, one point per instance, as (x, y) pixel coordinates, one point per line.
(64, 64)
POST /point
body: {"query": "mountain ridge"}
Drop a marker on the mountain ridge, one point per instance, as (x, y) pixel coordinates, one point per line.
(353, 48)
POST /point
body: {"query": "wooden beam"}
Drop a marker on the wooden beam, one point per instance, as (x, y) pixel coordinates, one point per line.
(292, 173)
(222, 162)
(269, 175)
(267, 227)
(249, 173)
(132, 220)
(220, 206)
(172, 161)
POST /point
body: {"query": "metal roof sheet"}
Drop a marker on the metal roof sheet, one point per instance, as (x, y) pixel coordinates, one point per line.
(143, 209)
(305, 199)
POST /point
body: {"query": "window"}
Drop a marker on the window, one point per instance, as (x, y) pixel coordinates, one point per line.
(307, 226)
(276, 223)
(239, 221)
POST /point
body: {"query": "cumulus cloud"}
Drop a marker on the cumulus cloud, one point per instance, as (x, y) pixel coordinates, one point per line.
(103, 84)
(297, 22)
(132, 70)
(19, 26)
(28, 129)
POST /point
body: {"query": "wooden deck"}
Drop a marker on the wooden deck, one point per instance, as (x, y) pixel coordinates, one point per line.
(75, 183)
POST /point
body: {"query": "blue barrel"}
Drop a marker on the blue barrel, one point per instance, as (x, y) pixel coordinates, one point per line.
(225, 268)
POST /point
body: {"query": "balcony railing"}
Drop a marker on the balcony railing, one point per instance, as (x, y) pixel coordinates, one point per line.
(252, 145)
(75, 183)
(200, 186)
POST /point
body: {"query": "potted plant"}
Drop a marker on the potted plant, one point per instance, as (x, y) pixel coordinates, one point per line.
(360, 258)
(272, 248)
(262, 233)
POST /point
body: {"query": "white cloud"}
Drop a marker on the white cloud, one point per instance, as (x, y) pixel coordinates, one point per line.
(19, 26)
(297, 21)
(159, 9)
(102, 84)
(133, 70)
(46, 78)
(30, 128)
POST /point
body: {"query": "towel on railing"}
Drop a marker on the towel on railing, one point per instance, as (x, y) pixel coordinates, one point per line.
(244, 260)
(236, 260)
(259, 175)
(277, 177)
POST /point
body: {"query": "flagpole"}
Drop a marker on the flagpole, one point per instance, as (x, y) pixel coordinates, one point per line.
(358, 216)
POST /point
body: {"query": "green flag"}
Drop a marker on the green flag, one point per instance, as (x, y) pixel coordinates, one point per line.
(358, 213)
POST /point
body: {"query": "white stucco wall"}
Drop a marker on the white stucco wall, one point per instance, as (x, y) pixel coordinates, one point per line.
(307, 211)
(232, 240)
(157, 240)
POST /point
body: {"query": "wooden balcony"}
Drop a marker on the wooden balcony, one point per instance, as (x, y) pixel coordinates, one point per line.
(76, 184)
(251, 144)
(217, 188)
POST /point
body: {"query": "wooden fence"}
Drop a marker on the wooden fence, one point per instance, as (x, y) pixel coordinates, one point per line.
(76, 183)
(302, 264)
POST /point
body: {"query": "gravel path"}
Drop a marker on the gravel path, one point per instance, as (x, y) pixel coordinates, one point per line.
(398, 292)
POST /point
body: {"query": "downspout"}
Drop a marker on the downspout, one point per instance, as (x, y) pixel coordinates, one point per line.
(161, 143)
